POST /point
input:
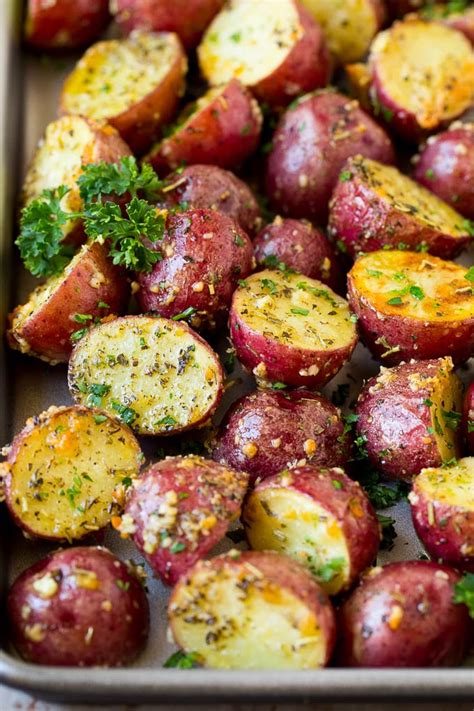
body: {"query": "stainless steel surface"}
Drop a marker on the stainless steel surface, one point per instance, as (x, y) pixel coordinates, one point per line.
(34, 386)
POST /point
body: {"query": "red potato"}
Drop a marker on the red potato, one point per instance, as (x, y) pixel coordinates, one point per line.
(59, 311)
(205, 254)
(134, 84)
(311, 144)
(442, 507)
(64, 24)
(154, 374)
(290, 328)
(268, 431)
(437, 82)
(409, 417)
(221, 128)
(301, 247)
(412, 305)
(457, 15)
(463, 22)
(79, 607)
(276, 49)
(374, 206)
(179, 510)
(468, 418)
(252, 610)
(209, 187)
(319, 517)
(403, 615)
(66, 472)
(445, 166)
(188, 18)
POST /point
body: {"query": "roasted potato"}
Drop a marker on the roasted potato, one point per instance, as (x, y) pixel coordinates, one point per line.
(349, 25)
(456, 14)
(210, 187)
(221, 128)
(59, 311)
(291, 329)
(179, 510)
(154, 374)
(374, 206)
(70, 143)
(412, 305)
(188, 18)
(67, 471)
(445, 166)
(276, 49)
(319, 517)
(64, 24)
(300, 246)
(409, 417)
(252, 611)
(437, 81)
(133, 83)
(79, 607)
(358, 79)
(403, 615)
(468, 418)
(268, 431)
(205, 254)
(311, 144)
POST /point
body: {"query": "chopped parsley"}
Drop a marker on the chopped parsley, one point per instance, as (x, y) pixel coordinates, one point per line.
(345, 176)
(126, 414)
(184, 314)
(464, 592)
(181, 660)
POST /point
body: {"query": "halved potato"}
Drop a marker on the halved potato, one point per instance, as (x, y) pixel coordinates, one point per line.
(412, 305)
(252, 611)
(422, 74)
(64, 24)
(291, 328)
(67, 471)
(133, 83)
(374, 206)
(155, 374)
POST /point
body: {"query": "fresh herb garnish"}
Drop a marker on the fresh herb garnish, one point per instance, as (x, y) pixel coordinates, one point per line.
(464, 592)
(388, 532)
(181, 660)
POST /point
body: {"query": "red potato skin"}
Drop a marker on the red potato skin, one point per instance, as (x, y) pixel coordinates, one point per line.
(463, 22)
(224, 133)
(398, 8)
(118, 616)
(212, 188)
(432, 632)
(394, 421)
(445, 166)
(468, 418)
(291, 419)
(48, 330)
(64, 24)
(310, 146)
(302, 247)
(349, 505)
(188, 18)
(196, 261)
(204, 490)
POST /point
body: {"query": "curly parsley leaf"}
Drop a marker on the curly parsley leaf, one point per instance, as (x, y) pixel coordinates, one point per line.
(464, 592)
(181, 660)
(98, 179)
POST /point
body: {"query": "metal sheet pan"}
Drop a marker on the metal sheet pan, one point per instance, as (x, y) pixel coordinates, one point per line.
(28, 91)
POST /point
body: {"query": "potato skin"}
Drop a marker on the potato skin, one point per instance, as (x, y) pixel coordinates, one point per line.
(64, 24)
(285, 428)
(311, 144)
(224, 131)
(188, 18)
(302, 247)
(445, 166)
(208, 254)
(210, 187)
(468, 418)
(403, 615)
(196, 499)
(90, 280)
(78, 607)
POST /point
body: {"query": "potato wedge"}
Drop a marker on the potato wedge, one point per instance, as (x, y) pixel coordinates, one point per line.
(64, 24)
(67, 471)
(155, 374)
(442, 507)
(317, 516)
(276, 49)
(59, 311)
(252, 611)
(374, 206)
(412, 305)
(133, 83)
(290, 328)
